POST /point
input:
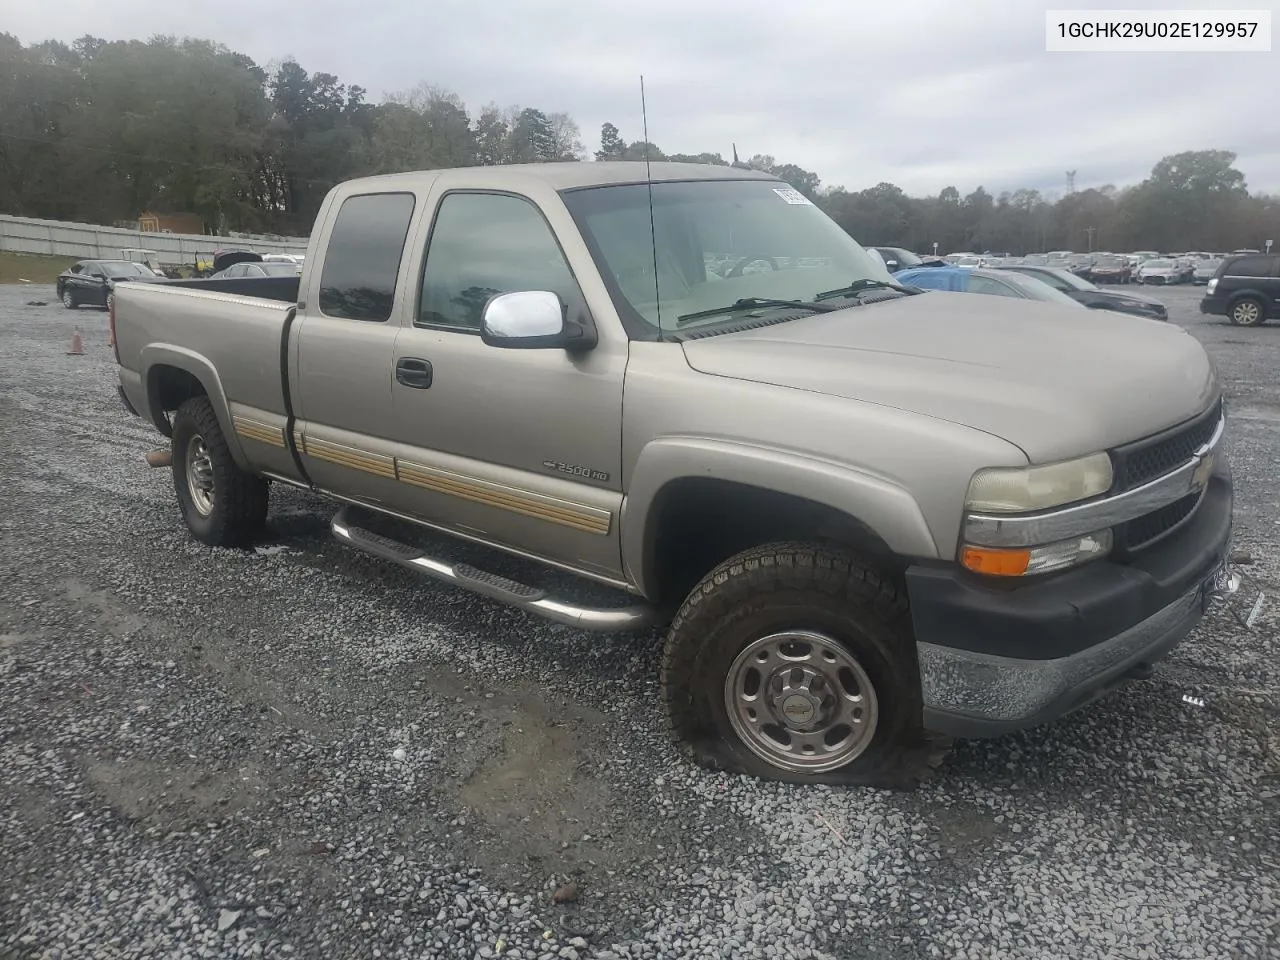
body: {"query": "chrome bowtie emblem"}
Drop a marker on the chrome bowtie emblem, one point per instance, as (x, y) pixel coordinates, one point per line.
(1204, 469)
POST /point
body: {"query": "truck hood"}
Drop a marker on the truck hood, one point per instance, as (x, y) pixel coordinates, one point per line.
(1057, 382)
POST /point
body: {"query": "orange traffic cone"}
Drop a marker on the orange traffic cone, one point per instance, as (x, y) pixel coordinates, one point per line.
(77, 345)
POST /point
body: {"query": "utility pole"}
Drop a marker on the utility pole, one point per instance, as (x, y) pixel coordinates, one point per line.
(1090, 231)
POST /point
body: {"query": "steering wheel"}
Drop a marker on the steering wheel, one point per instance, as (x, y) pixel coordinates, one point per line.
(736, 270)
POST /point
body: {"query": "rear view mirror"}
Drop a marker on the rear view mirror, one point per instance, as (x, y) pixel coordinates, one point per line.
(891, 264)
(532, 319)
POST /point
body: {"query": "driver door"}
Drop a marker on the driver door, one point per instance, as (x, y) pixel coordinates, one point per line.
(517, 447)
(92, 285)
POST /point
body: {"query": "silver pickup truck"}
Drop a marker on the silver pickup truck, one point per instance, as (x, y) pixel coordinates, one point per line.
(873, 518)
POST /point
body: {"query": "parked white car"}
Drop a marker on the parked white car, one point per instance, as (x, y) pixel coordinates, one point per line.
(1159, 271)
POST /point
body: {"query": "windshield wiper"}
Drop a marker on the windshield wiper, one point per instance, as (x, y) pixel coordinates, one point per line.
(858, 286)
(748, 302)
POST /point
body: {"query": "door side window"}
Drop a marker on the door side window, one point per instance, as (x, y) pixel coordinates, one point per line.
(484, 244)
(987, 285)
(1056, 282)
(362, 260)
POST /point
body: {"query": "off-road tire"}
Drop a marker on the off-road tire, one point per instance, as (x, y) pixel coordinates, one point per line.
(783, 586)
(239, 511)
(1248, 312)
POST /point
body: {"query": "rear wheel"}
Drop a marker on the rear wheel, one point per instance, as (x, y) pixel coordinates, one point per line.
(795, 662)
(1247, 312)
(222, 505)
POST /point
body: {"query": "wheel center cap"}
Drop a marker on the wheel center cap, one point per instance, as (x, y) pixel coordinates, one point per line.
(799, 709)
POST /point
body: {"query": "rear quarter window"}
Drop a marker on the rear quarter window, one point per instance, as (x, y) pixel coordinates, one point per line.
(362, 260)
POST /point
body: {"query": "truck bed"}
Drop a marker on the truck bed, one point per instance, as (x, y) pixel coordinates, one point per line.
(233, 342)
(284, 289)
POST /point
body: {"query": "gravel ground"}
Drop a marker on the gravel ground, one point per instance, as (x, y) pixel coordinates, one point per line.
(300, 751)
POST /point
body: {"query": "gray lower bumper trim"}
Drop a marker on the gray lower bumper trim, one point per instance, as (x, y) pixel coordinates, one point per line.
(975, 694)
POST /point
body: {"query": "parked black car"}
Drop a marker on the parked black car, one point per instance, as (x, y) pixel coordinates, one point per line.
(1245, 290)
(1086, 293)
(90, 282)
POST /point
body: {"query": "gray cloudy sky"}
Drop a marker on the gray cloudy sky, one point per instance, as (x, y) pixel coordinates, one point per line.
(924, 94)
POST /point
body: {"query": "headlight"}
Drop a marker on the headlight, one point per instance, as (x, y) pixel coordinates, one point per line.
(1023, 489)
(1213, 285)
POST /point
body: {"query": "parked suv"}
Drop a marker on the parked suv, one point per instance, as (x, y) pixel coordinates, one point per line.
(1246, 289)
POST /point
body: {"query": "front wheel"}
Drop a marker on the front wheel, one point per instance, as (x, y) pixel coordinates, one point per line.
(795, 662)
(1247, 312)
(69, 299)
(222, 505)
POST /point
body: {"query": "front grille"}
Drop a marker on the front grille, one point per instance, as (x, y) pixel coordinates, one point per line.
(1145, 530)
(1140, 462)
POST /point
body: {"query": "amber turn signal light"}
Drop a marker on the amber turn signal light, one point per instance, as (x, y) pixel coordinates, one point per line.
(996, 563)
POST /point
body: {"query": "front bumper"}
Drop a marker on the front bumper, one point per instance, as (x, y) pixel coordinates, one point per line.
(1215, 305)
(998, 659)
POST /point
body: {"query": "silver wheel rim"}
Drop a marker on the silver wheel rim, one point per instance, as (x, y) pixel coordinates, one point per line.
(199, 475)
(801, 702)
(1246, 313)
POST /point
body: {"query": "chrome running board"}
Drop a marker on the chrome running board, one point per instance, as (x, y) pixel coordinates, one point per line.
(493, 585)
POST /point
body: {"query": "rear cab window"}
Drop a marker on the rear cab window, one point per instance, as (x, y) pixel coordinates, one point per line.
(362, 259)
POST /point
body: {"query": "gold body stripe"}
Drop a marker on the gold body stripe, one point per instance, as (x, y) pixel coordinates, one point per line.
(257, 430)
(345, 456)
(512, 499)
(562, 512)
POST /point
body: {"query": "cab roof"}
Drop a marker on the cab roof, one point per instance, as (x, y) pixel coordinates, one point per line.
(569, 175)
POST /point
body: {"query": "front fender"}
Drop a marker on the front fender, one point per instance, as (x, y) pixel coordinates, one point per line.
(170, 355)
(884, 507)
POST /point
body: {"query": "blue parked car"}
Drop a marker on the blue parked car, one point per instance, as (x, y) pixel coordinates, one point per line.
(998, 283)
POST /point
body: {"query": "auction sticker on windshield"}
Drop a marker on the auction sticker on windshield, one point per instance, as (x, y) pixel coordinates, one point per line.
(792, 195)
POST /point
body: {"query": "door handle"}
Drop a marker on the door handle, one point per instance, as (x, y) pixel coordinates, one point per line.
(413, 372)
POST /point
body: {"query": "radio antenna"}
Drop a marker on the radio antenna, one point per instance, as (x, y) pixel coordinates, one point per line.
(648, 177)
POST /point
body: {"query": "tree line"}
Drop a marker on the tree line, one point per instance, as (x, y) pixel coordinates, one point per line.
(100, 131)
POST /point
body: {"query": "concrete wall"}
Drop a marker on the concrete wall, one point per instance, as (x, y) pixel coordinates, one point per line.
(86, 241)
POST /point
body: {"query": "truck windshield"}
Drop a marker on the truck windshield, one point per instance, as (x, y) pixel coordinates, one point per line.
(717, 242)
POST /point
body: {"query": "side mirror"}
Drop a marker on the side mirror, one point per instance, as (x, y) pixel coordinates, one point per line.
(532, 319)
(891, 264)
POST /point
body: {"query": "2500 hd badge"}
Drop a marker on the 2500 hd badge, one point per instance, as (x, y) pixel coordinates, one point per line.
(576, 471)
